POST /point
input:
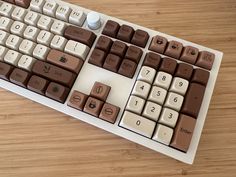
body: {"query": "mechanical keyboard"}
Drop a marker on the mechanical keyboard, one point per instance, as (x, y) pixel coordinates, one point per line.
(148, 87)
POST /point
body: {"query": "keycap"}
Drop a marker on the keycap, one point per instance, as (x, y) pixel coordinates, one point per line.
(40, 52)
(140, 38)
(104, 43)
(205, 60)
(18, 28)
(19, 77)
(125, 33)
(58, 42)
(27, 47)
(112, 62)
(37, 84)
(184, 71)
(189, 54)
(50, 8)
(152, 111)
(18, 14)
(163, 134)
(97, 57)
(77, 17)
(169, 117)
(201, 76)
(157, 95)
(183, 133)
(26, 62)
(5, 70)
(6, 9)
(100, 91)
(37, 5)
(163, 80)
(147, 74)
(53, 73)
(65, 60)
(127, 68)
(63, 13)
(109, 113)
(23, 3)
(141, 89)
(58, 27)
(12, 57)
(93, 106)
(93, 20)
(3, 37)
(137, 124)
(111, 28)
(31, 18)
(174, 101)
(134, 53)
(31, 33)
(3, 51)
(77, 100)
(179, 86)
(57, 92)
(13, 42)
(168, 65)
(44, 22)
(174, 49)
(80, 35)
(193, 100)
(158, 44)
(118, 48)
(5, 24)
(135, 104)
(44, 38)
(152, 60)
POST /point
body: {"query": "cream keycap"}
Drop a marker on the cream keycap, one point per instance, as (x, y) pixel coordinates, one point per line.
(18, 28)
(50, 8)
(163, 134)
(3, 37)
(157, 95)
(58, 42)
(5, 24)
(31, 18)
(174, 101)
(169, 117)
(45, 22)
(41, 52)
(179, 85)
(6, 9)
(141, 89)
(58, 27)
(135, 104)
(152, 111)
(12, 57)
(18, 14)
(77, 17)
(31, 33)
(13, 42)
(163, 80)
(37, 5)
(147, 74)
(26, 62)
(3, 51)
(44, 38)
(63, 13)
(27, 47)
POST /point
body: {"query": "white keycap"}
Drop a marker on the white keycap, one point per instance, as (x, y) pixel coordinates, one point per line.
(3, 51)
(58, 42)
(18, 28)
(12, 57)
(27, 47)
(152, 111)
(163, 80)
(26, 62)
(18, 14)
(5, 23)
(147, 74)
(179, 85)
(93, 20)
(3, 37)
(174, 101)
(169, 117)
(141, 89)
(77, 17)
(31, 33)
(137, 124)
(77, 49)
(31, 18)
(58, 27)
(50, 8)
(41, 52)
(163, 134)
(6, 9)
(37, 5)
(13, 42)
(44, 38)
(63, 13)
(135, 104)
(45, 22)
(157, 95)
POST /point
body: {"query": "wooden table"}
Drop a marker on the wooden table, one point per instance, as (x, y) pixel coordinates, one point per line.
(36, 141)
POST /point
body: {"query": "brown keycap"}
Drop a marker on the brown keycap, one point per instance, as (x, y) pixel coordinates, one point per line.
(104, 43)
(100, 91)
(19, 77)
(158, 44)
(118, 48)
(97, 57)
(206, 60)
(54, 73)
(79, 34)
(10, 1)
(184, 70)
(111, 28)
(109, 113)
(77, 100)
(57, 92)
(189, 55)
(23, 3)
(5, 70)
(174, 49)
(183, 133)
(127, 68)
(134, 53)
(37, 84)
(168, 65)
(112, 62)
(193, 100)
(201, 76)
(140, 38)
(93, 106)
(125, 33)
(152, 60)
(65, 61)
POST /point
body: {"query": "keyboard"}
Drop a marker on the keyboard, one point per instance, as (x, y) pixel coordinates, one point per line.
(143, 85)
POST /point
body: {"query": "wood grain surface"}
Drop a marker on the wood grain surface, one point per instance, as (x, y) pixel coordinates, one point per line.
(36, 141)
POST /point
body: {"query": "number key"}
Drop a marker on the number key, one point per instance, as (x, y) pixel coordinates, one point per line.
(174, 101)
(179, 85)
(141, 89)
(152, 110)
(169, 117)
(135, 104)
(147, 74)
(157, 95)
(163, 80)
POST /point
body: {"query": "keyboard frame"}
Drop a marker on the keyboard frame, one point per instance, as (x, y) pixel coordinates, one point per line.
(84, 85)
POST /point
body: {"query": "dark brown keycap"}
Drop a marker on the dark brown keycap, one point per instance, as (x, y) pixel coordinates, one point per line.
(152, 60)
(201, 76)
(183, 133)
(158, 44)
(206, 60)
(19, 77)
(104, 43)
(93, 106)
(168, 65)
(111, 28)
(193, 100)
(97, 57)
(79, 34)
(5, 70)
(125, 33)
(112, 62)
(174, 49)
(109, 113)
(134, 53)
(140, 38)
(57, 92)
(118, 48)
(184, 70)
(10, 1)
(37, 84)
(127, 68)
(100, 91)
(65, 60)
(23, 3)
(77, 100)
(189, 54)
(54, 73)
